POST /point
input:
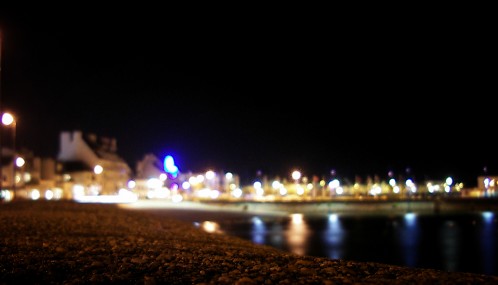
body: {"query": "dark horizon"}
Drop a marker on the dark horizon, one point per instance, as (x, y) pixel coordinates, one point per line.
(240, 97)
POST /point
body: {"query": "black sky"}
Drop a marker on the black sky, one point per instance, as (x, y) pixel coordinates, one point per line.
(249, 90)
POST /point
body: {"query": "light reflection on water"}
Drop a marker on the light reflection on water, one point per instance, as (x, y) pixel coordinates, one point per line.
(258, 230)
(334, 235)
(488, 243)
(465, 243)
(209, 226)
(297, 234)
(408, 238)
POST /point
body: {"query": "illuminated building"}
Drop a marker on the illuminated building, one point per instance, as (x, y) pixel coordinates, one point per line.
(92, 164)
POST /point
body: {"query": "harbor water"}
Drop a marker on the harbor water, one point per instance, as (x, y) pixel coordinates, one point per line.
(457, 242)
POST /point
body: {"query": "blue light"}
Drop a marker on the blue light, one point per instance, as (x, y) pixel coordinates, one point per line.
(169, 165)
(410, 219)
(488, 217)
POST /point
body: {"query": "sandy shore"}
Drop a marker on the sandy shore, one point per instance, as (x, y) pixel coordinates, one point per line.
(56, 242)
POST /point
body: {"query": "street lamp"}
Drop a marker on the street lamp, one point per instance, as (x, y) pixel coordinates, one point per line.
(449, 182)
(9, 120)
(296, 175)
(98, 169)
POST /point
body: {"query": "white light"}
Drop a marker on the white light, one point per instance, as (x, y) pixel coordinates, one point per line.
(123, 192)
(162, 193)
(210, 174)
(78, 190)
(132, 184)
(20, 162)
(177, 198)
(6, 195)
(35, 194)
(486, 182)
(300, 190)
(49, 194)
(333, 218)
(283, 191)
(193, 180)
(297, 218)
(58, 193)
(109, 199)
(237, 193)
(430, 188)
(98, 169)
(151, 194)
(375, 190)
(154, 183)
(334, 184)
(203, 193)
(93, 190)
(26, 177)
(296, 175)
(449, 181)
(7, 119)
(260, 192)
(339, 190)
(185, 185)
(275, 184)
(214, 194)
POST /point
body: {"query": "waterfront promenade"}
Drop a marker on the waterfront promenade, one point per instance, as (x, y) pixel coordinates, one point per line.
(348, 206)
(64, 242)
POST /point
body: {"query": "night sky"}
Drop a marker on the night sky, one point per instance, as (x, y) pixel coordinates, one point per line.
(250, 91)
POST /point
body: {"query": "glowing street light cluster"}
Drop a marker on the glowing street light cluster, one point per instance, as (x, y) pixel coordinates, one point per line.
(212, 185)
(9, 120)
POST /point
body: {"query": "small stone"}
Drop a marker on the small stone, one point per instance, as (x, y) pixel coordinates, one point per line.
(245, 281)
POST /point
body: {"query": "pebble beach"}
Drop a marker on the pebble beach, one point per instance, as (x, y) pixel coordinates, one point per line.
(64, 242)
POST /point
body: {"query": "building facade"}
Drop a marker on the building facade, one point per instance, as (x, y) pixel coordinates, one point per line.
(91, 165)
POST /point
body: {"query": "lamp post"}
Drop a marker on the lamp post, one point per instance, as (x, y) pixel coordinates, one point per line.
(98, 169)
(296, 175)
(9, 120)
(1, 153)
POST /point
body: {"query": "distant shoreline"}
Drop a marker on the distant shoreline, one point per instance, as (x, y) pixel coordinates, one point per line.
(370, 206)
(343, 206)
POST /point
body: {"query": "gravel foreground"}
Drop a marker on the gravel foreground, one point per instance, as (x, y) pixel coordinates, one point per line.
(64, 242)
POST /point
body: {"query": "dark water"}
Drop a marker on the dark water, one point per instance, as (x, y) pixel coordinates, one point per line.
(460, 242)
